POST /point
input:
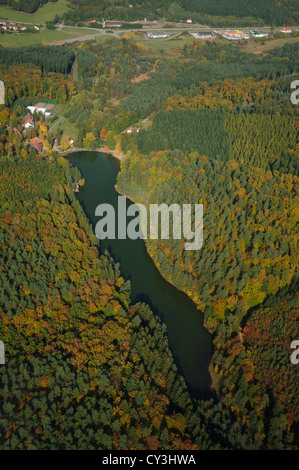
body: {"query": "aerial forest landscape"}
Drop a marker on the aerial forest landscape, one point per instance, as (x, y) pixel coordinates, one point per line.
(127, 323)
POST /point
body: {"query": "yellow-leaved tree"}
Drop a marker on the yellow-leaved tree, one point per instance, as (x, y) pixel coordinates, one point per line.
(89, 141)
(65, 142)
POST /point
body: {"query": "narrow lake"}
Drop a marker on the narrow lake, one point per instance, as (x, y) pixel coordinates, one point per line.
(190, 342)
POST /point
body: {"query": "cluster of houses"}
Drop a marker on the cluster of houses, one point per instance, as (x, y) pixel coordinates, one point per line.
(237, 34)
(29, 123)
(8, 26)
(36, 142)
(12, 26)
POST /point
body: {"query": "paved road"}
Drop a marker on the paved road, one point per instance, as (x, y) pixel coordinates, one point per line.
(55, 124)
(178, 29)
(178, 26)
(89, 37)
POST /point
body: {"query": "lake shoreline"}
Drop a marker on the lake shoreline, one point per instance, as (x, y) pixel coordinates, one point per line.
(214, 386)
(192, 356)
(113, 153)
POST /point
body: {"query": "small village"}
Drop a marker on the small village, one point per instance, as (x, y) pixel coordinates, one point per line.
(11, 26)
(154, 30)
(32, 133)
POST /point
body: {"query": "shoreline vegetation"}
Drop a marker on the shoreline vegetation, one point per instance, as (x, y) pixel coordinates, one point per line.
(113, 153)
(120, 156)
(215, 125)
(214, 385)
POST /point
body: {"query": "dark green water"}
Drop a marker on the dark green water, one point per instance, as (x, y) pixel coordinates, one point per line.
(190, 342)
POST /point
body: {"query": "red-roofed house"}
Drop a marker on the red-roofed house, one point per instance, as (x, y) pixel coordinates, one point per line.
(37, 143)
(29, 121)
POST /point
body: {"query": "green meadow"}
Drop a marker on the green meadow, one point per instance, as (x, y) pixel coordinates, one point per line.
(29, 39)
(43, 14)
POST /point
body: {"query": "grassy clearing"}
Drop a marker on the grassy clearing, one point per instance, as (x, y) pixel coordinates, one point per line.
(262, 47)
(172, 46)
(28, 39)
(46, 36)
(43, 14)
(67, 128)
(167, 45)
(78, 31)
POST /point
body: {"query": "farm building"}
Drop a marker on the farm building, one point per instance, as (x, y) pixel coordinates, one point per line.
(203, 35)
(259, 34)
(114, 24)
(158, 35)
(286, 30)
(233, 35)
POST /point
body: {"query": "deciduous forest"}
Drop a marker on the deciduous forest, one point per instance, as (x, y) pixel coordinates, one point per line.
(86, 367)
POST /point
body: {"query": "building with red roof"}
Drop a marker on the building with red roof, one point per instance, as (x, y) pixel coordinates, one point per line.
(37, 143)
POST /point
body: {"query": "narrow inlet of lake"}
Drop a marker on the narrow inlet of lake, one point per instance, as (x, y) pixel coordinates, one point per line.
(190, 342)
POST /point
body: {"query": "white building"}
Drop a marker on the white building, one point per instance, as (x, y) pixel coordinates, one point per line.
(35, 109)
(157, 35)
(259, 34)
(233, 35)
(203, 35)
(28, 125)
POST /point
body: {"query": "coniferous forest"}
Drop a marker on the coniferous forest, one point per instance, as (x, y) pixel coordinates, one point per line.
(87, 366)
(216, 12)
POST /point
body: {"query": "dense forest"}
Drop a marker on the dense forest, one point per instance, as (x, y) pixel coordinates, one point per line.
(250, 252)
(25, 87)
(114, 94)
(257, 139)
(214, 12)
(73, 337)
(230, 142)
(87, 369)
(47, 58)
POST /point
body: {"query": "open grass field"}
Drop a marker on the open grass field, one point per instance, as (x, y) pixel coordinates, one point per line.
(167, 45)
(43, 14)
(78, 31)
(172, 46)
(46, 36)
(67, 128)
(262, 47)
(29, 39)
